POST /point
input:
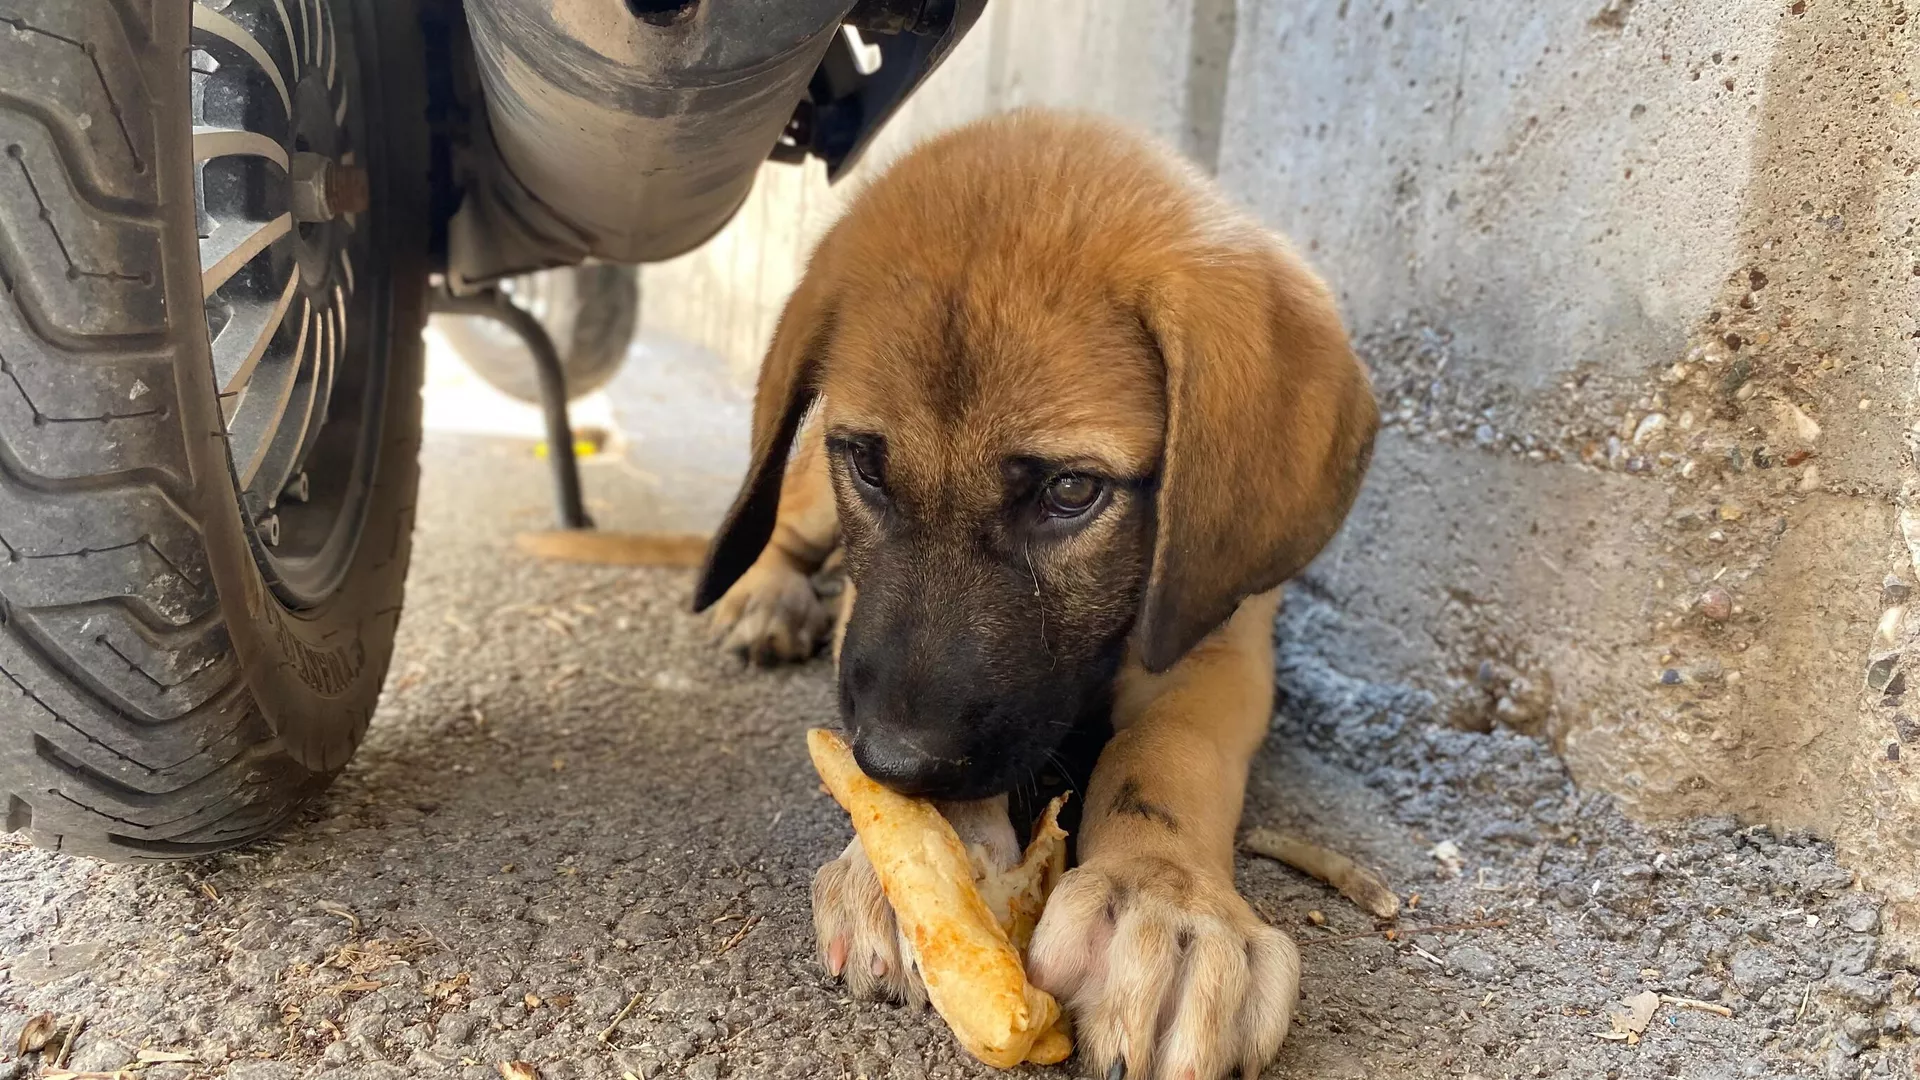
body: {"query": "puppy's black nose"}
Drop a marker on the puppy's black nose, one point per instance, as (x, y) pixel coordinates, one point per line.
(902, 762)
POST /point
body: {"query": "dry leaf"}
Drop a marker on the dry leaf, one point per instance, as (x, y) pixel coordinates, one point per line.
(358, 983)
(518, 1070)
(560, 1001)
(445, 988)
(37, 1034)
(1640, 1010)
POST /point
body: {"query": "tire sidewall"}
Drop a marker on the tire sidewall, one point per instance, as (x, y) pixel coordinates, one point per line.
(315, 674)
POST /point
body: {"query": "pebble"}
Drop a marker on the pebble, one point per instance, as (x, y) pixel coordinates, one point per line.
(1730, 512)
(1864, 921)
(704, 1069)
(1648, 427)
(1474, 961)
(1893, 590)
(1716, 604)
(1855, 957)
(1861, 992)
(1755, 971)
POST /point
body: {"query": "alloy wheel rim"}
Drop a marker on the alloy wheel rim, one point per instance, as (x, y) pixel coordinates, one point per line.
(282, 206)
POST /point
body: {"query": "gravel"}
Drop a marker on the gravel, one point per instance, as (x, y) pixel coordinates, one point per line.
(570, 804)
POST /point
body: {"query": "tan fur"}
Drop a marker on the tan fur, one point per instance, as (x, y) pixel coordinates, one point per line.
(1128, 318)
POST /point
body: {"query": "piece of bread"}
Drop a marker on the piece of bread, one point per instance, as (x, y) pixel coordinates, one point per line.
(963, 934)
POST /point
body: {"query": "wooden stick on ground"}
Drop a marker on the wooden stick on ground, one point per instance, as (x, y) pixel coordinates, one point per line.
(615, 549)
(1355, 882)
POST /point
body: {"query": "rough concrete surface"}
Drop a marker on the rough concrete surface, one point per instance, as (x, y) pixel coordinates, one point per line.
(570, 803)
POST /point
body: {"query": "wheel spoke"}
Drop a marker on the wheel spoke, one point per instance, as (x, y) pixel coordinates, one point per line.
(233, 245)
(212, 22)
(286, 25)
(210, 143)
(299, 422)
(340, 112)
(245, 337)
(256, 419)
(333, 47)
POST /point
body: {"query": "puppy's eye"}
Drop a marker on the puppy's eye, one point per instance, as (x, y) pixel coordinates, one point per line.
(869, 461)
(1071, 494)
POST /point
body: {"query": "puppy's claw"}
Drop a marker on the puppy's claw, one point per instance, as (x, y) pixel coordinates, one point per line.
(837, 955)
(856, 932)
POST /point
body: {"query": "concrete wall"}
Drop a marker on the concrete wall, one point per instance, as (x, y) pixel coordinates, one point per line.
(1636, 281)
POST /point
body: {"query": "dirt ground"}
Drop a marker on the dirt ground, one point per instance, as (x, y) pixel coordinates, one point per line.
(580, 838)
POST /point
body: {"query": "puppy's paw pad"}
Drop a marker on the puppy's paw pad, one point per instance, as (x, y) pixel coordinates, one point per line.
(1165, 970)
(772, 615)
(856, 934)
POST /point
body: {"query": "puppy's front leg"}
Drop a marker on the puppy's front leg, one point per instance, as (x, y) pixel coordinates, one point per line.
(772, 613)
(1164, 965)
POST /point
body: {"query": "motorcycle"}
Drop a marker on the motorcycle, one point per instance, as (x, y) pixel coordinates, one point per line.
(223, 227)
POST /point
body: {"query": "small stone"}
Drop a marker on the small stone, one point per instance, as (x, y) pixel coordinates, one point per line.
(1670, 677)
(1906, 728)
(1473, 961)
(1893, 751)
(1882, 669)
(1716, 604)
(1894, 591)
(1484, 435)
(704, 1069)
(680, 1048)
(1317, 918)
(1855, 957)
(1859, 1030)
(1755, 971)
(1649, 426)
(1862, 992)
(1730, 512)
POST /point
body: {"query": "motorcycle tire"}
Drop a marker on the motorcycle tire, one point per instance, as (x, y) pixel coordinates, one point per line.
(589, 311)
(213, 271)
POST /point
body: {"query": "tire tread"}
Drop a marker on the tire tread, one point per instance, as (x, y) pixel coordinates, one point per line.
(126, 729)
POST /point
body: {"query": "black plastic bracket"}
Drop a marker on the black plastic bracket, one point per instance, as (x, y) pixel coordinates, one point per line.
(496, 305)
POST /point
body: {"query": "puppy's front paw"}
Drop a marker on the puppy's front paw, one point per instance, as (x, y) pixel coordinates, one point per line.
(857, 935)
(1166, 969)
(771, 614)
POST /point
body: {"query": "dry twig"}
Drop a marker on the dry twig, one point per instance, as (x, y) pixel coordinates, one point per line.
(607, 1035)
(1442, 928)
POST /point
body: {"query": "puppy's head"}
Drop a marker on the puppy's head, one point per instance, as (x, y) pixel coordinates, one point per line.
(1076, 409)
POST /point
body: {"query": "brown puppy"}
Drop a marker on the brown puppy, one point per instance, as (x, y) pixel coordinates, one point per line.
(1078, 418)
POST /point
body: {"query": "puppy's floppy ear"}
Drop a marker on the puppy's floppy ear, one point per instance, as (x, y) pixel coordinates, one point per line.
(785, 392)
(1270, 424)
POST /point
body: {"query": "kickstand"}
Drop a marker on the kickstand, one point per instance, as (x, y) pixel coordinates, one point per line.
(496, 305)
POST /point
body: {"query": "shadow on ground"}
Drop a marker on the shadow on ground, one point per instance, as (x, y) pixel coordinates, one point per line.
(572, 811)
